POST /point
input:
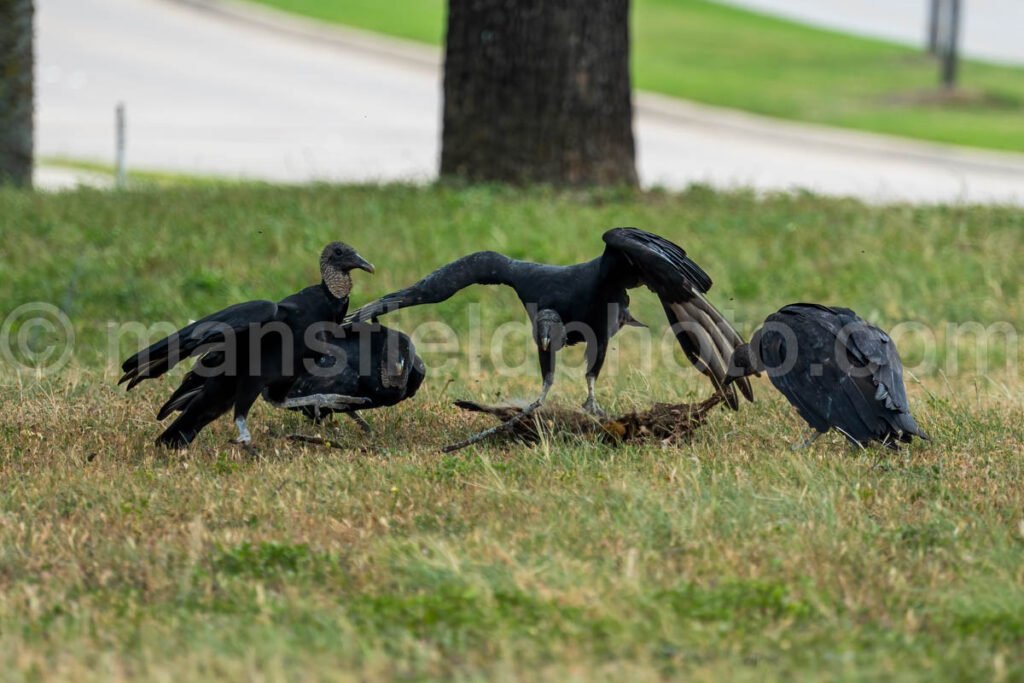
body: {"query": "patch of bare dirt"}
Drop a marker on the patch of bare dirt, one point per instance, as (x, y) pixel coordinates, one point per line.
(954, 97)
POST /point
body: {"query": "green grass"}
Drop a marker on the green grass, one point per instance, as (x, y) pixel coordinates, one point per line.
(136, 178)
(724, 56)
(728, 558)
(419, 20)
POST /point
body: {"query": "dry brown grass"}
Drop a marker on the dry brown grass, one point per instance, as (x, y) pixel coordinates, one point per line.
(731, 556)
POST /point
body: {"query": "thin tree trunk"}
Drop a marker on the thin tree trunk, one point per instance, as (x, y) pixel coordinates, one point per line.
(538, 91)
(16, 91)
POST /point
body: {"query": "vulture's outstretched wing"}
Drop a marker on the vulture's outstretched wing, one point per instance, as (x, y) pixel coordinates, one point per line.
(705, 336)
(197, 338)
(480, 268)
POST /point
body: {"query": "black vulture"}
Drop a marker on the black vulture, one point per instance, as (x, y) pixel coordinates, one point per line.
(371, 362)
(247, 349)
(588, 302)
(836, 369)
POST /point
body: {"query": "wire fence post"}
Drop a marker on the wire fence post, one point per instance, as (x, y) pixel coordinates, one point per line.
(934, 7)
(120, 164)
(950, 48)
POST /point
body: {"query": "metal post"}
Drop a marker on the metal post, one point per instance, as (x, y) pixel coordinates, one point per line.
(934, 8)
(951, 47)
(120, 126)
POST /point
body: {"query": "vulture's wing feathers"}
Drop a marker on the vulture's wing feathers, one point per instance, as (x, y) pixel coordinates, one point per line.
(706, 337)
(801, 389)
(662, 265)
(876, 350)
(196, 338)
(860, 389)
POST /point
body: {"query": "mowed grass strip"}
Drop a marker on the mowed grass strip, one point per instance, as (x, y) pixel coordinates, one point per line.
(728, 557)
(731, 57)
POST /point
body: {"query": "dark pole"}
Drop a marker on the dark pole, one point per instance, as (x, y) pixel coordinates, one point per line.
(933, 26)
(950, 49)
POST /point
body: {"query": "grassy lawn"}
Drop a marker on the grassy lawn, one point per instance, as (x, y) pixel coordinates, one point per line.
(730, 57)
(728, 558)
(134, 178)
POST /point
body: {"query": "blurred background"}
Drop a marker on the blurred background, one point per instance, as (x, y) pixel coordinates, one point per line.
(919, 100)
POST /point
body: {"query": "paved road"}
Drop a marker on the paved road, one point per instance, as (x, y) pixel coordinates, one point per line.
(210, 94)
(992, 29)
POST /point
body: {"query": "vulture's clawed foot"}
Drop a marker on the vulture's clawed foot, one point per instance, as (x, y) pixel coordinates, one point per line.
(244, 438)
(591, 407)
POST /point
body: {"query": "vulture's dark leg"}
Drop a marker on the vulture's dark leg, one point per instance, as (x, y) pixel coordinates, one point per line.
(808, 439)
(549, 335)
(547, 372)
(363, 424)
(595, 361)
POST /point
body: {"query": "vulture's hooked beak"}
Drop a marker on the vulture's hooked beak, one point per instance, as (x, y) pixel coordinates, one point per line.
(629, 320)
(545, 342)
(363, 264)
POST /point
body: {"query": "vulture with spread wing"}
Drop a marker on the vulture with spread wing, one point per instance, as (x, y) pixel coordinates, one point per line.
(588, 303)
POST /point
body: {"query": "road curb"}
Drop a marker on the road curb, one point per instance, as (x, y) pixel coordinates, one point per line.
(852, 141)
(405, 52)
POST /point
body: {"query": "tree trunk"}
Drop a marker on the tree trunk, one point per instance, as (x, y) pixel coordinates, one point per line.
(538, 91)
(16, 92)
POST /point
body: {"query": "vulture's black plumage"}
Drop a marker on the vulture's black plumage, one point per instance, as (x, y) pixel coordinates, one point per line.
(836, 369)
(371, 362)
(588, 302)
(247, 349)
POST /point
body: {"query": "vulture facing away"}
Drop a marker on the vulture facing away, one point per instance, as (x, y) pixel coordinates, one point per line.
(371, 362)
(836, 369)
